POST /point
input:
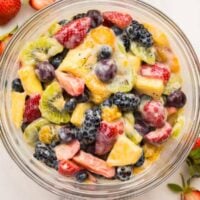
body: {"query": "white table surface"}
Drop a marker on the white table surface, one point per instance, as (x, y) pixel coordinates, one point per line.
(15, 185)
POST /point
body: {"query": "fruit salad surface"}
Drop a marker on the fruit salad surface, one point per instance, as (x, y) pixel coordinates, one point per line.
(98, 95)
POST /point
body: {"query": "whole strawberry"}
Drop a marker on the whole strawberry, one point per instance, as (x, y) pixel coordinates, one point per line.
(8, 10)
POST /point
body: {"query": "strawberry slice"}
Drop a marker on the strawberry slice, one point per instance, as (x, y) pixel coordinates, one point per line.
(67, 151)
(94, 164)
(73, 33)
(197, 144)
(32, 111)
(122, 20)
(158, 71)
(68, 168)
(71, 84)
(107, 136)
(159, 135)
(193, 195)
(40, 4)
(154, 113)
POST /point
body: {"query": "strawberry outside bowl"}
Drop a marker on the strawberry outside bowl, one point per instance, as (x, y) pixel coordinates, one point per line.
(176, 149)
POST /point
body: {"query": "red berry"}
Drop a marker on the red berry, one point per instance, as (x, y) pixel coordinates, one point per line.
(197, 144)
(122, 20)
(71, 84)
(158, 71)
(32, 111)
(8, 9)
(40, 4)
(192, 195)
(160, 135)
(68, 168)
(73, 33)
(153, 112)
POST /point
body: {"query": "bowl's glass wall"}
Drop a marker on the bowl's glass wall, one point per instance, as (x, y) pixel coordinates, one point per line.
(176, 149)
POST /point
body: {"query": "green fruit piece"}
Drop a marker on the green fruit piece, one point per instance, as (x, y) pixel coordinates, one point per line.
(174, 83)
(17, 107)
(31, 132)
(146, 54)
(39, 50)
(53, 29)
(52, 104)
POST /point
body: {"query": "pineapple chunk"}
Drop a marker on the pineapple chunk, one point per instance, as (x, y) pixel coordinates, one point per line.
(17, 107)
(78, 115)
(149, 86)
(120, 154)
(29, 80)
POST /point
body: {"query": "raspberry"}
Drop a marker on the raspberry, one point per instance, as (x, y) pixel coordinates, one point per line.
(154, 113)
(32, 111)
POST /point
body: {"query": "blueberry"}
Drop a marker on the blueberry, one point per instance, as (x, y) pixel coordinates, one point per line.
(142, 127)
(68, 133)
(45, 72)
(104, 53)
(96, 18)
(83, 97)
(126, 42)
(17, 85)
(140, 162)
(106, 70)
(63, 22)
(81, 176)
(176, 99)
(78, 16)
(57, 59)
(124, 173)
(108, 102)
(70, 105)
(117, 30)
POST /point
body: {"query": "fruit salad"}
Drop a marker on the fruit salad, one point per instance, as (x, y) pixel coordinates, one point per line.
(98, 95)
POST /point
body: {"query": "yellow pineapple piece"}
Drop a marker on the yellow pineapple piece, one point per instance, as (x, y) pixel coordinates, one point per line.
(45, 134)
(135, 62)
(159, 37)
(103, 35)
(124, 152)
(78, 114)
(149, 86)
(110, 114)
(17, 107)
(29, 80)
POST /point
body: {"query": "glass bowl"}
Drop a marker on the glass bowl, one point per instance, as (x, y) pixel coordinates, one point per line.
(175, 150)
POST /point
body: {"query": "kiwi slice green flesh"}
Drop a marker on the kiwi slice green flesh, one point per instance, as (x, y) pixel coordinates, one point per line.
(52, 104)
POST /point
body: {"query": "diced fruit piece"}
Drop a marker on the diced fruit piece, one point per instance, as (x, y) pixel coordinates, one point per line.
(107, 135)
(47, 134)
(145, 54)
(78, 115)
(68, 168)
(178, 126)
(197, 144)
(106, 70)
(39, 4)
(31, 132)
(173, 84)
(8, 10)
(73, 33)
(122, 20)
(171, 111)
(149, 86)
(124, 173)
(82, 176)
(32, 111)
(94, 164)
(151, 152)
(159, 37)
(53, 29)
(120, 154)
(71, 84)
(103, 35)
(67, 151)
(30, 82)
(52, 104)
(39, 50)
(96, 17)
(70, 105)
(110, 114)
(153, 112)
(176, 99)
(159, 71)
(17, 107)
(17, 85)
(160, 135)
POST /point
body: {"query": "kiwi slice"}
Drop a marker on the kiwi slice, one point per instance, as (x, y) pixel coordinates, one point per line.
(52, 104)
(40, 50)
(147, 55)
(32, 130)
